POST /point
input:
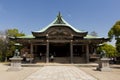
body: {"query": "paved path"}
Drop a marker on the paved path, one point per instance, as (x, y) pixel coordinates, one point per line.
(60, 73)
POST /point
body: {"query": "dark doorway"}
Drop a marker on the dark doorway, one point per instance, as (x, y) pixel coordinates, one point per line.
(60, 49)
(41, 49)
(40, 53)
(78, 50)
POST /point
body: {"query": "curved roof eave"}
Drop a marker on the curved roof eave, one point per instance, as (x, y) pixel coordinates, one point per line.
(91, 37)
(94, 37)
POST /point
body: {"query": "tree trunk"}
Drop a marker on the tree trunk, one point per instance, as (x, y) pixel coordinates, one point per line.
(6, 59)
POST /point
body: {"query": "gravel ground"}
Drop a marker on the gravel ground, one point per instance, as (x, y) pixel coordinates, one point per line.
(114, 74)
(16, 75)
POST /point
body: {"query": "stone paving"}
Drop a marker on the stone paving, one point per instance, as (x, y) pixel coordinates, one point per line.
(60, 73)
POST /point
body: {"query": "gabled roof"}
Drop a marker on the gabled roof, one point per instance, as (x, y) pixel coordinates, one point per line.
(59, 21)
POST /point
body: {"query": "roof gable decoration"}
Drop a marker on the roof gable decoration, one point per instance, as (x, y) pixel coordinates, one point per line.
(59, 21)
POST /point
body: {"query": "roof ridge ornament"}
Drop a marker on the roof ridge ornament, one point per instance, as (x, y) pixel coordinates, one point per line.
(59, 14)
(59, 19)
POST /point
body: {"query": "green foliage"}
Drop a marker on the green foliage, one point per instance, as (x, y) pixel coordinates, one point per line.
(93, 33)
(2, 49)
(1, 56)
(14, 33)
(110, 34)
(118, 45)
(7, 46)
(109, 49)
(10, 49)
(115, 30)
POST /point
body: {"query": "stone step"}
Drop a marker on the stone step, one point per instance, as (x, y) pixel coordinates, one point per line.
(58, 64)
(62, 59)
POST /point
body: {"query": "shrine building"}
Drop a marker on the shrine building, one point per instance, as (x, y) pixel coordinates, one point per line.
(66, 43)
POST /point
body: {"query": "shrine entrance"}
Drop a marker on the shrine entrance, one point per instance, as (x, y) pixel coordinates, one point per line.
(60, 49)
(66, 43)
(61, 52)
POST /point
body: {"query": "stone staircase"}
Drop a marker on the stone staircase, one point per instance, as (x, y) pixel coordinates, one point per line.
(67, 60)
(62, 60)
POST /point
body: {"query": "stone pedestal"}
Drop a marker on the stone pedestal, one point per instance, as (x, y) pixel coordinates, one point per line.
(15, 64)
(103, 64)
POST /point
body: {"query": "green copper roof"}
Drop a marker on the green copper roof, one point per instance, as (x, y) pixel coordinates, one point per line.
(27, 36)
(59, 21)
(90, 37)
(86, 37)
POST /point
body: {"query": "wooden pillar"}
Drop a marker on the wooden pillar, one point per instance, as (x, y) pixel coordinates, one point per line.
(35, 48)
(82, 48)
(95, 50)
(31, 48)
(87, 53)
(47, 52)
(71, 51)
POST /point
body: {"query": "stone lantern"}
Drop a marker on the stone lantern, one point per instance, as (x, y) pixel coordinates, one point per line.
(16, 60)
(103, 64)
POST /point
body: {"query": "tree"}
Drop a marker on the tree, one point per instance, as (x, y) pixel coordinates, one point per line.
(14, 33)
(109, 49)
(2, 45)
(2, 49)
(118, 44)
(114, 32)
(8, 48)
(93, 33)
